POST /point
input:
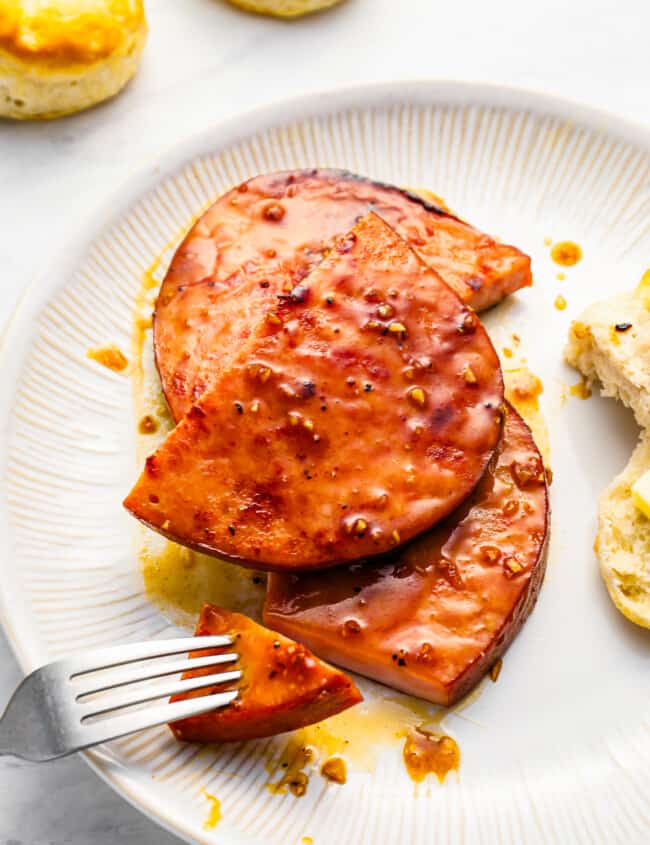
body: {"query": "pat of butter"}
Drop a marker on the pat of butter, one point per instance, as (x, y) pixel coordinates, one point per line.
(641, 494)
(643, 289)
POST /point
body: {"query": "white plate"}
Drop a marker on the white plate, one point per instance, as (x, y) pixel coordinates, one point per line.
(559, 749)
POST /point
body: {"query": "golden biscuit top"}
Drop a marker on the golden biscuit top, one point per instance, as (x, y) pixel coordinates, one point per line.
(68, 31)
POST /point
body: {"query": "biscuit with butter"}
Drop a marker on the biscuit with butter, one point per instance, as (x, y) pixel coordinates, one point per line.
(62, 56)
(610, 344)
(623, 539)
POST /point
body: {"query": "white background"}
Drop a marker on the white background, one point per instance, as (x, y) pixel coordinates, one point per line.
(205, 61)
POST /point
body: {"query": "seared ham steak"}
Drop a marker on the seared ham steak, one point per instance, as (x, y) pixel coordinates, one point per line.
(432, 618)
(263, 238)
(363, 409)
(283, 686)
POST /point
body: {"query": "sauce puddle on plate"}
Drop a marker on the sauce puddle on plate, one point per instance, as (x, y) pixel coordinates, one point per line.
(176, 579)
(295, 759)
(110, 357)
(523, 389)
(180, 581)
(335, 770)
(214, 816)
(148, 424)
(355, 738)
(566, 253)
(428, 753)
(581, 390)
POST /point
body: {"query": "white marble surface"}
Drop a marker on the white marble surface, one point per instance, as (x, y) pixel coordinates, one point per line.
(206, 61)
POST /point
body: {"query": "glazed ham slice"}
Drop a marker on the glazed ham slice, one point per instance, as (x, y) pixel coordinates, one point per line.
(283, 686)
(363, 408)
(263, 238)
(432, 618)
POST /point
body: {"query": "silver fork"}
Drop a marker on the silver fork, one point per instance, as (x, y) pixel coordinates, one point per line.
(62, 707)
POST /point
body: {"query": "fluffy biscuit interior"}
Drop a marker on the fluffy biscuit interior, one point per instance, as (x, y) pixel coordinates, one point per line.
(623, 540)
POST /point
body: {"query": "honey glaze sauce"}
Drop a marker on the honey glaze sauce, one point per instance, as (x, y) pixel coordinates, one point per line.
(359, 734)
(292, 767)
(428, 753)
(177, 580)
(214, 816)
(335, 770)
(566, 253)
(148, 424)
(355, 739)
(581, 390)
(523, 389)
(110, 357)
